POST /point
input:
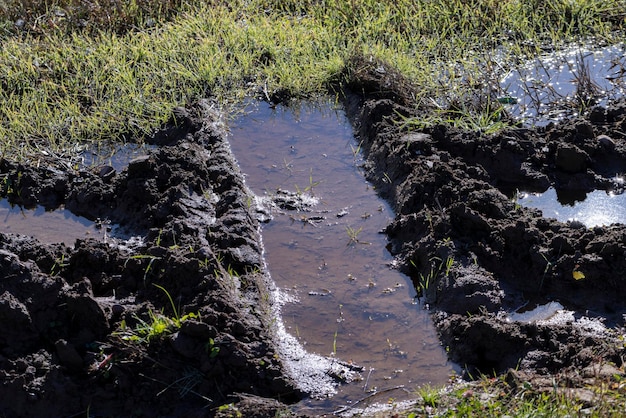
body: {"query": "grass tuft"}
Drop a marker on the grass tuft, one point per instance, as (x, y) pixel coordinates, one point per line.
(74, 72)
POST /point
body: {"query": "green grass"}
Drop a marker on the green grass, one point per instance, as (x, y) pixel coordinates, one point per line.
(157, 325)
(494, 397)
(71, 74)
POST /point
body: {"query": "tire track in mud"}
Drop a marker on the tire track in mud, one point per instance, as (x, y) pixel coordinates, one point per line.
(490, 256)
(74, 315)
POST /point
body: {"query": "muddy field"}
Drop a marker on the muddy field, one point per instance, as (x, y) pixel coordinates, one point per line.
(176, 321)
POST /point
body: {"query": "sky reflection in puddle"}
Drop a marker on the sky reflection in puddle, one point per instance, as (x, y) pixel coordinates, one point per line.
(544, 88)
(593, 209)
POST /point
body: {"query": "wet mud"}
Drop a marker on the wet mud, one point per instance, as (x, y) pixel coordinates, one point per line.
(486, 257)
(73, 314)
(184, 220)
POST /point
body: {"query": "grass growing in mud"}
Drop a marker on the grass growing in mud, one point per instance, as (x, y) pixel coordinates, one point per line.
(73, 71)
(489, 397)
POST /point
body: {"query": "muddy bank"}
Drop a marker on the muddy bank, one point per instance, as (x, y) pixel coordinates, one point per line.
(479, 258)
(86, 327)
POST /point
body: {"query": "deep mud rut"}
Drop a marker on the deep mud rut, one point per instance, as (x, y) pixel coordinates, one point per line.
(70, 344)
(65, 349)
(486, 256)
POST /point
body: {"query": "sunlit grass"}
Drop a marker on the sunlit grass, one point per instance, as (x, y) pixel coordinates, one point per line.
(495, 397)
(64, 83)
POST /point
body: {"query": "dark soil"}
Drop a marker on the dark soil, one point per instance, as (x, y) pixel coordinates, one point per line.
(452, 193)
(70, 314)
(71, 345)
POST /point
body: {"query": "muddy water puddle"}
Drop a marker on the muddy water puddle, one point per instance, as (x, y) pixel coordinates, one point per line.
(61, 225)
(47, 226)
(332, 260)
(114, 155)
(557, 85)
(591, 209)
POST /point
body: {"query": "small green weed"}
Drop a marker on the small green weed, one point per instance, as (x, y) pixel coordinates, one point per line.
(157, 325)
(154, 328)
(449, 265)
(151, 259)
(211, 349)
(356, 151)
(58, 265)
(437, 267)
(546, 270)
(229, 410)
(515, 200)
(308, 189)
(425, 280)
(11, 186)
(430, 396)
(353, 236)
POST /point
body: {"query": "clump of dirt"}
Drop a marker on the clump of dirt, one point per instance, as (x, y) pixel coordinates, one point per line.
(477, 256)
(171, 322)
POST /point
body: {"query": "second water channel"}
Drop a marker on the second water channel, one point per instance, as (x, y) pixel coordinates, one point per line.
(348, 301)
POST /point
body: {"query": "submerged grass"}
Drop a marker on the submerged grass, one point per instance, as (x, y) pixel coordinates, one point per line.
(73, 71)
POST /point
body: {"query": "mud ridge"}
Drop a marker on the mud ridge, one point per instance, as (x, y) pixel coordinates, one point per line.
(183, 220)
(480, 259)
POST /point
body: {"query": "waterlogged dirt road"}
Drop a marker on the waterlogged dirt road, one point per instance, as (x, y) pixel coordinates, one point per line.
(88, 331)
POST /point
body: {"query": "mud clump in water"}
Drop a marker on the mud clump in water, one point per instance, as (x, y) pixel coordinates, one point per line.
(476, 255)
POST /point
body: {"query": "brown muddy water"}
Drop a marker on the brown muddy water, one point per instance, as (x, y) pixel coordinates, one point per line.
(347, 301)
(47, 226)
(60, 225)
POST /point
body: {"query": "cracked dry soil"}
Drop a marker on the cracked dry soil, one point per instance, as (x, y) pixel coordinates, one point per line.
(67, 311)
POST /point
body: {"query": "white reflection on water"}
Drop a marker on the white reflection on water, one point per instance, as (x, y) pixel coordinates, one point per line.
(545, 87)
(597, 208)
